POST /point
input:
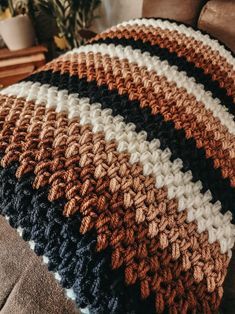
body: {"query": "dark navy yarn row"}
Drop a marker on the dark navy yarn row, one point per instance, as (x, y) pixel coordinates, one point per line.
(71, 254)
(194, 159)
(181, 62)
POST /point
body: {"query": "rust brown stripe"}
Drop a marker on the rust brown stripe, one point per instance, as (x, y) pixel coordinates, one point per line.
(219, 71)
(155, 91)
(147, 235)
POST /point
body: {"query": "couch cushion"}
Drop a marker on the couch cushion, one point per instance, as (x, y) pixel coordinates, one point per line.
(26, 285)
(218, 19)
(186, 11)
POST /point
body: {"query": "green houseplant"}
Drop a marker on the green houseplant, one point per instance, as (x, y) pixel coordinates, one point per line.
(73, 18)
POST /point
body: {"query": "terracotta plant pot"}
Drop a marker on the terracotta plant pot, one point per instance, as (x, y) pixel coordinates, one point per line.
(17, 32)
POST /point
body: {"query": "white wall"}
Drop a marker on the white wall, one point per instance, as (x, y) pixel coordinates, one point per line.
(112, 12)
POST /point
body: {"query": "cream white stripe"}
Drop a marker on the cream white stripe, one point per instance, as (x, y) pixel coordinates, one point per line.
(155, 161)
(186, 30)
(162, 68)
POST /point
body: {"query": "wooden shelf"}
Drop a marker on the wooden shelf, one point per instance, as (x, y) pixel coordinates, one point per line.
(7, 54)
(16, 65)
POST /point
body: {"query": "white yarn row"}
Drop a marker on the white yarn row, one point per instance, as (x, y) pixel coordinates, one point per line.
(186, 30)
(172, 74)
(155, 161)
(69, 292)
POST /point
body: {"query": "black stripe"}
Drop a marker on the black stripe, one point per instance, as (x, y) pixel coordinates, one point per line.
(181, 62)
(73, 255)
(194, 159)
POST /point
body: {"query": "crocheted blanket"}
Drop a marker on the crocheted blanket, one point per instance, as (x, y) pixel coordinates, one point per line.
(118, 166)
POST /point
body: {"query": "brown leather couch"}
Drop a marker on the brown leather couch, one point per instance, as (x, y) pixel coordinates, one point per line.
(216, 17)
(26, 286)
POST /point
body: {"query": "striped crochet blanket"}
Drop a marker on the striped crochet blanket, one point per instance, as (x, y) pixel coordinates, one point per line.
(118, 166)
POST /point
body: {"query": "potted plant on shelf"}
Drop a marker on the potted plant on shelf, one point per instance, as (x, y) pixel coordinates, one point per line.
(17, 31)
(3, 14)
(73, 18)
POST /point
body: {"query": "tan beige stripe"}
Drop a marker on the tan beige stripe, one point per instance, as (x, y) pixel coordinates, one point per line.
(143, 227)
(218, 69)
(155, 91)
